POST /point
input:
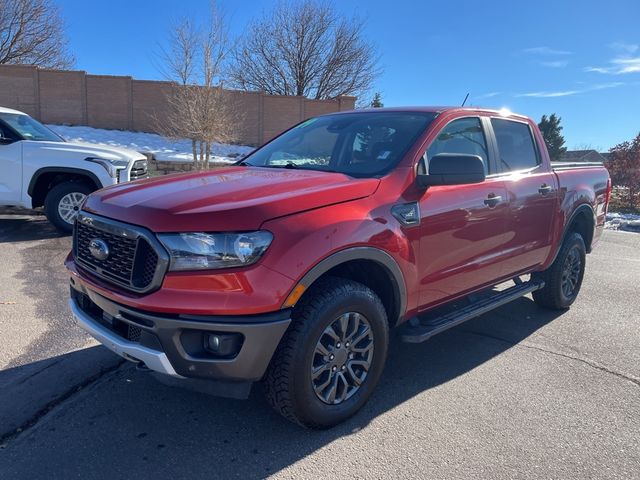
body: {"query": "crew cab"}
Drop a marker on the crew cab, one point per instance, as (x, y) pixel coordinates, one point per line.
(291, 267)
(41, 169)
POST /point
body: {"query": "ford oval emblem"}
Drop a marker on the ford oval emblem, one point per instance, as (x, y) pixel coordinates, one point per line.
(98, 248)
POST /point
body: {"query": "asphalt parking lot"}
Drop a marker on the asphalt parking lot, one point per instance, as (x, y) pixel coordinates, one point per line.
(519, 393)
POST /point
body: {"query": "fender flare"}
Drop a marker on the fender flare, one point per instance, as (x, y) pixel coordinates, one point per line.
(76, 171)
(362, 253)
(584, 207)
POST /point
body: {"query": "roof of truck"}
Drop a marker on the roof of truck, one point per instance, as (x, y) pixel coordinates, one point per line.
(9, 110)
(440, 109)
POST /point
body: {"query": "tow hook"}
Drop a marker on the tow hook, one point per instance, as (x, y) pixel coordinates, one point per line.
(142, 367)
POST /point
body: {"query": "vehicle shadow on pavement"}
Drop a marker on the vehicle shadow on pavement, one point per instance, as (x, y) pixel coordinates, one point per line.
(29, 391)
(23, 228)
(127, 425)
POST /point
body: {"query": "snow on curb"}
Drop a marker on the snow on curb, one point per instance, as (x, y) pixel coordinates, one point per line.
(163, 149)
(627, 222)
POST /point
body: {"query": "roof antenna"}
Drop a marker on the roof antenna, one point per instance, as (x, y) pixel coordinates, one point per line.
(465, 100)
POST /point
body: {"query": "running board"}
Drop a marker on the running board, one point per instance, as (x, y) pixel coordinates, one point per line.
(424, 331)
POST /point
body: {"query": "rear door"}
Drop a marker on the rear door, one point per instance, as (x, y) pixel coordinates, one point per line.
(463, 232)
(10, 166)
(532, 190)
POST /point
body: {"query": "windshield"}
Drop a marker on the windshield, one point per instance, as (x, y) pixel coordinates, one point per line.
(28, 128)
(357, 144)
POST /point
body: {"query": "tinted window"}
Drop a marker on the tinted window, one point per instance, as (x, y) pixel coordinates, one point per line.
(515, 144)
(358, 144)
(4, 132)
(463, 136)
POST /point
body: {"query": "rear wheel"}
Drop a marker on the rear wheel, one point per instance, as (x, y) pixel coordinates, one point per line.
(63, 202)
(563, 278)
(331, 357)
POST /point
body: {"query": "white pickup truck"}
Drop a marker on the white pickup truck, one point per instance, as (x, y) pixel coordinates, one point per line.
(38, 168)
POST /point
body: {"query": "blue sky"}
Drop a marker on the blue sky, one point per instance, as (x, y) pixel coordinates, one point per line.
(579, 59)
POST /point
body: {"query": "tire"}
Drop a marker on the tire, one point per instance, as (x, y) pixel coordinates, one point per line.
(289, 385)
(556, 293)
(70, 195)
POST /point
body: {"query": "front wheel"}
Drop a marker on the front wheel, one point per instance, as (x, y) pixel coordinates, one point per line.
(63, 202)
(563, 278)
(331, 358)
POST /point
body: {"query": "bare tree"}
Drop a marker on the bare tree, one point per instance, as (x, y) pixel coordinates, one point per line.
(306, 49)
(32, 33)
(199, 108)
(178, 60)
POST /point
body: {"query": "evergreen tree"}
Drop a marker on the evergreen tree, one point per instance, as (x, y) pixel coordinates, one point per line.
(377, 101)
(552, 134)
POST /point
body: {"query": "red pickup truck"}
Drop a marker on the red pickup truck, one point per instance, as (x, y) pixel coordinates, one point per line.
(291, 266)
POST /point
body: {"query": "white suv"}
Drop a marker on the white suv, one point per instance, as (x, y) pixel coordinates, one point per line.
(39, 168)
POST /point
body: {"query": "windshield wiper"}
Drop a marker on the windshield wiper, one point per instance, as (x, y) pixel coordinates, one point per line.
(292, 166)
(289, 164)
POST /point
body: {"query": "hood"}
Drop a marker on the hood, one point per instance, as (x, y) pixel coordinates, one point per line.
(84, 150)
(228, 199)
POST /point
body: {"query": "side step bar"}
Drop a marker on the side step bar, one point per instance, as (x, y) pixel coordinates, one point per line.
(424, 331)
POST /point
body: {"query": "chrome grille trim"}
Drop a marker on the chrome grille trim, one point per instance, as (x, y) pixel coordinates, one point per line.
(139, 169)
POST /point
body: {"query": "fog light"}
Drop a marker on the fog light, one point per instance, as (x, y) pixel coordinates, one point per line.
(223, 344)
(214, 342)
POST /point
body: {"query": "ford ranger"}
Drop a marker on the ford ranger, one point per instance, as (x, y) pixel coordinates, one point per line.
(291, 267)
(40, 169)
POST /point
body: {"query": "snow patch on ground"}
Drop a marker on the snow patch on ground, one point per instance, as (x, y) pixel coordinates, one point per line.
(628, 222)
(163, 149)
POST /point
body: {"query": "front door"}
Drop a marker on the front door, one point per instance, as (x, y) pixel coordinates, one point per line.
(11, 168)
(463, 234)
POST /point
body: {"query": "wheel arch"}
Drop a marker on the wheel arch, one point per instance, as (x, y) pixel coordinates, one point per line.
(370, 266)
(45, 178)
(583, 221)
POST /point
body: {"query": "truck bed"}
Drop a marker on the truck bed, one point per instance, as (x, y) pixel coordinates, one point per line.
(572, 165)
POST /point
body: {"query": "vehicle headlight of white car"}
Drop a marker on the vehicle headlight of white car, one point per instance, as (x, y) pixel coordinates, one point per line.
(111, 166)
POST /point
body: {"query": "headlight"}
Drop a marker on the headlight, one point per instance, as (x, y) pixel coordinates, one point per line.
(111, 166)
(196, 251)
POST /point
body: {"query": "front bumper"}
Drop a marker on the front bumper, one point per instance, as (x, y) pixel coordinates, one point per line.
(174, 344)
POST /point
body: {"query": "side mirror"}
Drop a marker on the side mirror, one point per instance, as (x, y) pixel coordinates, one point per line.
(451, 169)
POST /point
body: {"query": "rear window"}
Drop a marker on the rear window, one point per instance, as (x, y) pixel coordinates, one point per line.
(515, 145)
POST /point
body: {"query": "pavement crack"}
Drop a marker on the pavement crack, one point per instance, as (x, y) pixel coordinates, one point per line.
(38, 372)
(586, 361)
(6, 437)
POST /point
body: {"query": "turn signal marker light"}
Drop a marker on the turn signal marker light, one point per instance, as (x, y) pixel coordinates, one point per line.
(295, 295)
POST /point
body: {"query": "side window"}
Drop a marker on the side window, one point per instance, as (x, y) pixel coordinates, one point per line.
(5, 133)
(515, 145)
(463, 136)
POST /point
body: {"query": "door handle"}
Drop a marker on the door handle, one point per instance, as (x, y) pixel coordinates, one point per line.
(545, 189)
(492, 200)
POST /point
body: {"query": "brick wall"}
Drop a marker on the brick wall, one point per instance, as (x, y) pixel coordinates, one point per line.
(105, 101)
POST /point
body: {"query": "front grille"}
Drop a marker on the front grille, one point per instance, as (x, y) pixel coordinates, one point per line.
(139, 169)
(132, 260)
(119, 264)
